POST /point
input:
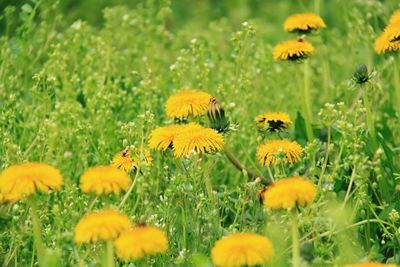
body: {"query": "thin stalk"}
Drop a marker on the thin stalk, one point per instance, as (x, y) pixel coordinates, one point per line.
(128, 193)
(396, 81)
(253, 175)
(370, 120)
(108, 254)
(317, 6)
(328, 143)
(306, 101)
(349, 187)
(37, 232)
(295, 239)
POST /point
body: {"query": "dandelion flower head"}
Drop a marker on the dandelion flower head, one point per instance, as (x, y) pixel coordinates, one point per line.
(271, 151)
(187, 103)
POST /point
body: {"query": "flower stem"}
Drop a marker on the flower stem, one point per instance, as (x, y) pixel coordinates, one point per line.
(370, 119)
(37, 231)
(108, 254)
(241, 167)
(306, 101)
(128, 193)
(295, 239)
(396, 81)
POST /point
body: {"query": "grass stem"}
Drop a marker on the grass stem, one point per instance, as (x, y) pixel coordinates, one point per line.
(295, 239)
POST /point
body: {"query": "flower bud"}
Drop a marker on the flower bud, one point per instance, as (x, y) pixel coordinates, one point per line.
(216, 115)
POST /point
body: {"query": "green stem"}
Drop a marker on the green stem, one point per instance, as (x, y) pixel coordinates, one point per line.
(370, 120)
(396, 81)
(37, 231)
(128, 193)
(321, 175)
(317, 6)
(306, 101)
(108, 254)
(295, 239)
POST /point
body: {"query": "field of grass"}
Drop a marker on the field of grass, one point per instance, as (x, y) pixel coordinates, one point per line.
(81, 81)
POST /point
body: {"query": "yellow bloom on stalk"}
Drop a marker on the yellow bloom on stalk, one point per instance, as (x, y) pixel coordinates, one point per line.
(101, 226)
(293, 50)
(162, 138)
(289, 192)
(141, 241)
(104, 180)
(142, 155)
(187, 103)
(123, 161)
(22, 180)
(273, 121)
(303, 22)
(370, 264)
(196, 138)
(242, 249)
(269, 152)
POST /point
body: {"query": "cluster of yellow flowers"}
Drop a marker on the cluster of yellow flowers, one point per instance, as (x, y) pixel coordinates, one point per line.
(185, 139)
(299, 48)
(389, 39)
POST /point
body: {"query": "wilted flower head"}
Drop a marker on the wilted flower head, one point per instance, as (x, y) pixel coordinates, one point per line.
(216, 115)
(293, 50)
(242, 249)
(101, 226)
(289, 192)
(273, 121)
(187, 103)
(104, 180)
(361, 74)
(273, 150)
(22, 180)
(141, 241)
(304, 23)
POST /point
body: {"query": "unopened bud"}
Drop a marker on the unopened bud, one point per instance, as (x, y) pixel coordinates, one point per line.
(216, 115)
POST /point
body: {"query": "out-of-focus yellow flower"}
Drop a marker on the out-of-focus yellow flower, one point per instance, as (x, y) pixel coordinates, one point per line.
(142, 156)
(273, 121)
(162, 138)
(187, 103)
(289, 192)
(22, 180)
(395, 18)
(104, 180)
(385, 43)
(303, 22)
(269, 152)
(370, 264)
(293, 50)
(141, 241)
(242, 249)
(101, 226)
(196, 138)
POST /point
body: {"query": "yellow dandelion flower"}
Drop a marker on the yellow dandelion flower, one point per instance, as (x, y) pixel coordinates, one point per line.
(196, 138)
(104, 180)
(101, 226)
(242, 249)
(395, 18)
(141, 241)
(273, 121)
(293, 50)
(123, 161)
(370, 264)
(289, 192)
(303, 22)
(162, 138)
(187, 103)
(22, 180)
(384, 43)
(269, 152)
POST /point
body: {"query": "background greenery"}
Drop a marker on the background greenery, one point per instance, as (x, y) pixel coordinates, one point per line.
(80, 80)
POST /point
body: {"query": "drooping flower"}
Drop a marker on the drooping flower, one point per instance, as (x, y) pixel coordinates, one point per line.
(370, 264)
(187, 103)
(273, 121)
(22, 180)
(303, 22)
(288, 151)
(141, 241)
(289, 192)
(104, 180)
(101, 226)
(242, 249)
(293, 50)
(162, 138)
(196, 138)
